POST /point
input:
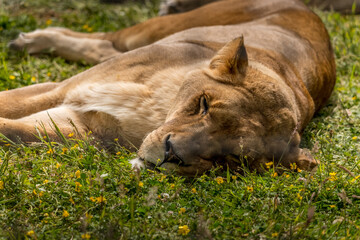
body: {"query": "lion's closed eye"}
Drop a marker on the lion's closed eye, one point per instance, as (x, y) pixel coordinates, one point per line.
(204, 106)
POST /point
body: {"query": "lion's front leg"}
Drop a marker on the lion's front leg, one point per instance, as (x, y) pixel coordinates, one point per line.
(27, 129)
(25, 101)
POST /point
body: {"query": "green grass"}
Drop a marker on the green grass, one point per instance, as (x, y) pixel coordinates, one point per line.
(51, 191)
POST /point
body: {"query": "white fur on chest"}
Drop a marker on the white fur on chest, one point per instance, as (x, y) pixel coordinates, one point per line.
(139, 107)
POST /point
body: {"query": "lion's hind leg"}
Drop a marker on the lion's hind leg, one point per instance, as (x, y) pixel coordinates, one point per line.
(74, 47)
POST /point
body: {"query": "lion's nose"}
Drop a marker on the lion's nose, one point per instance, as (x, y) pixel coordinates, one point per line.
(169, 152)
(170, 155)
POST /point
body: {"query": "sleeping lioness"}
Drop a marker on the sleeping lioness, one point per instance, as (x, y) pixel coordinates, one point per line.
(228, 82)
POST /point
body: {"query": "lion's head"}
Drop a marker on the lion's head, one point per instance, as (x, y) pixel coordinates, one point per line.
(227, 112)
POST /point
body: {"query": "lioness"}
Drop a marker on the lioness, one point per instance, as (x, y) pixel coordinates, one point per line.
(228, 82)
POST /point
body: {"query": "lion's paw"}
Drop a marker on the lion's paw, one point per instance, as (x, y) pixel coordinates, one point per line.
(34, 42)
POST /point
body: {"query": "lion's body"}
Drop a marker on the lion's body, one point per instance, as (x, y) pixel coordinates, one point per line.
(289, 73)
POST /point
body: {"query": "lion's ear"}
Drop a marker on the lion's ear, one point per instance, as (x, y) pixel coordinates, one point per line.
(230, 62)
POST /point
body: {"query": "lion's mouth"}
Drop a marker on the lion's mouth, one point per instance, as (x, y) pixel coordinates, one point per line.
(148, 164)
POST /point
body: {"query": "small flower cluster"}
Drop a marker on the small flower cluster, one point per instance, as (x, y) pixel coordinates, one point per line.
(183, 230)
(100, 199)
(293, 166)
(87, 28)
(354, 179)
(332, 176)
(219, 180)
(78, 186)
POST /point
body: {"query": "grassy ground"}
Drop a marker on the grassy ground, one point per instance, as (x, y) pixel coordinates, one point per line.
(75, 190)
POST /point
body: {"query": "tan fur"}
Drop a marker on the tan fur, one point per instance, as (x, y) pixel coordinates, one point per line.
(178, 6)
(231, 83)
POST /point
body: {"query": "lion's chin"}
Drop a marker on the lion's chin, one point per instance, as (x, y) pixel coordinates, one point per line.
(192, 170)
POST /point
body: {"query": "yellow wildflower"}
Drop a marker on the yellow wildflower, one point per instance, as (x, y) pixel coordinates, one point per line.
(299, 196)
(58, 165)
(172, 185)
(88, 217)
(275, 234)
(193, 190)
(72, 201)
(48, 74)
(45, 181)
(1, 185)
(11, 77)
(77, 174)
(332, 176)
(8, 144)
(118, 153)
(219, 180)
(354, 138)
(354, 179)
(65, 214)
(93, 199)
(33, 79)
(64, 150)
(116, 139)
(34, 192)
(285, 175)
(77, 186)
(50, 151)
(269, 164)
(162, 178)
(41, 193)
(250, 189)
(30, 233)
(48, 22)
(182, 210)
(101, 199)
(332, 206)
(70, 134)
(293, 166)
(184, 230)
(234, 177)
(141, 184)
(299, 170)
(275, 174)
(85, 236)
(85, 26)
(75, 146)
